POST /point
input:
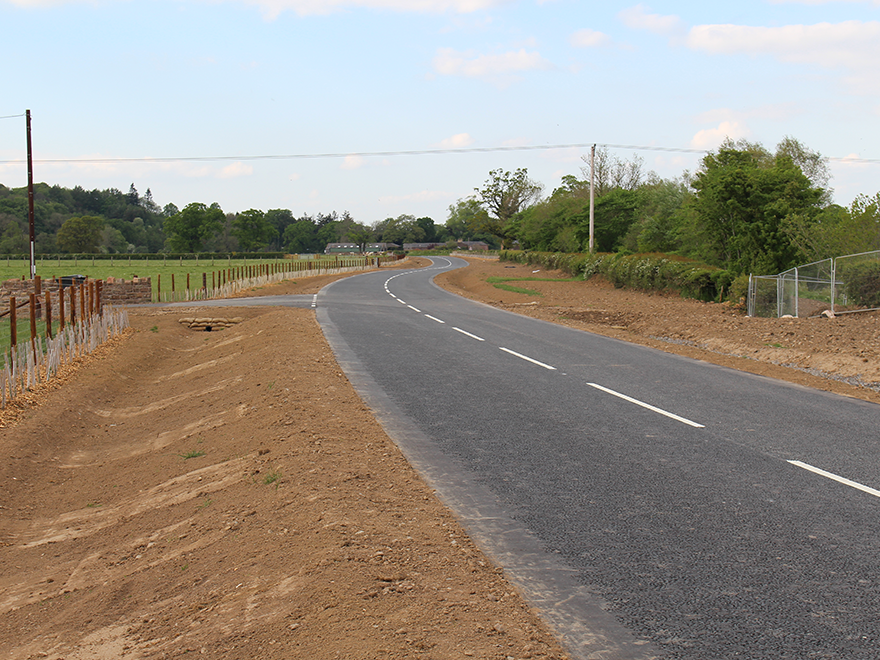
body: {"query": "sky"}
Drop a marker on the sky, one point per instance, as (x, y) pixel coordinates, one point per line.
(390, 107)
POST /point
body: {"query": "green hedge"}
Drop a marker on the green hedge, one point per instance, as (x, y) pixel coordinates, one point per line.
(645, 272)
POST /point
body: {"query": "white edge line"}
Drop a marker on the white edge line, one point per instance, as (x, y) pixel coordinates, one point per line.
(648, 406)
(527, 358)
(434, 318)
(837, 478)
(465, 332)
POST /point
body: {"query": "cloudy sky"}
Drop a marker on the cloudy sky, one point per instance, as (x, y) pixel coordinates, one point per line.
(384, 107)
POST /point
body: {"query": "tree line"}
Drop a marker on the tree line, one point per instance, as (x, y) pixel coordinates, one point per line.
(746, 209)
(110, 221)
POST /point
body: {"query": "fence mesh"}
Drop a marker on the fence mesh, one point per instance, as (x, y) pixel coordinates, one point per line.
(839, 285)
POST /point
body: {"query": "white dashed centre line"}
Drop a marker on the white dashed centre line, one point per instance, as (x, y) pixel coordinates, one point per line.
(464, 332)
(527, 358)
(648, 406)
(837, 478)
(414, 309)
(434, 318)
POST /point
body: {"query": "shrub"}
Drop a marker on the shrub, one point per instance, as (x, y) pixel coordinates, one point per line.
(646, 272)
(862, 284)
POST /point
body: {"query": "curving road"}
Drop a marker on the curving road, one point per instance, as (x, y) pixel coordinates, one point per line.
(648, 504)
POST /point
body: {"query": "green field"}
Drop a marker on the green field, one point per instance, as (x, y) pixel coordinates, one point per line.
(158, 270)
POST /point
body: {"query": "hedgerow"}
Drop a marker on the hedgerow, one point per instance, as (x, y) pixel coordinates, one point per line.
(645, 272)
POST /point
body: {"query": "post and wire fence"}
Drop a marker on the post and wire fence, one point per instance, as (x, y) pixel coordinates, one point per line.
(65, 323)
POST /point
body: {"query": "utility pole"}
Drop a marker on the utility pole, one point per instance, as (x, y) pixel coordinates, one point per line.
(30, 168)
(592, 192)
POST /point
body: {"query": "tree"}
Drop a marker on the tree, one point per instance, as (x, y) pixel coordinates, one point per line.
(742, 198)
(300, 236)
(465, 217)
(190, 228)
(280, 219)
(252, 230)
(503, 195)
(837, 231)
(402, 229)
(427, 225)
(610, 172)
(81, 234)
(361, 235)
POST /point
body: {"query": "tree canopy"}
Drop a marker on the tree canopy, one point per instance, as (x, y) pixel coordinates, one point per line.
(189, 229)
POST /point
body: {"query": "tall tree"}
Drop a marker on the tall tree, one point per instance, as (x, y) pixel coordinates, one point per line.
(188, 230)
(503, 195)
(252, 230)
(81, 234)
(465, 217)
(742, 198)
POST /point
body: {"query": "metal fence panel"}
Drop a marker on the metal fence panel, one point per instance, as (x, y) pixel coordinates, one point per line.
(840, 285)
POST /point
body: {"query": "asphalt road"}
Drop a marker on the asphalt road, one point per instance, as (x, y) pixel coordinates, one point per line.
(648, 504)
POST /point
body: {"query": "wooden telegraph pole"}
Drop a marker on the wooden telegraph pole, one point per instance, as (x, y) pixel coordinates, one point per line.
(592, 195)
(30, 169)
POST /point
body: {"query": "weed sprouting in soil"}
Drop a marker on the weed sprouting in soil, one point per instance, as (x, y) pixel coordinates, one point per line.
(192, 454)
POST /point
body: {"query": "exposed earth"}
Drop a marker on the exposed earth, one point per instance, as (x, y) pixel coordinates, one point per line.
(182, 493)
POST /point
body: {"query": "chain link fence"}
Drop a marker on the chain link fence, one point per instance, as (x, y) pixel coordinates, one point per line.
(839, 285)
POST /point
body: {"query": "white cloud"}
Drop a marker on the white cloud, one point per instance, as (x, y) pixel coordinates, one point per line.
(235, 170)
(711, 138)
(449, 62)
(587, 38)
(851, 44)
(638, 18)
(352, 163)
(458, 141)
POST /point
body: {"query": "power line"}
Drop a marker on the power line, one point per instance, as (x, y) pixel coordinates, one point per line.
(368, 154)
(12, 116)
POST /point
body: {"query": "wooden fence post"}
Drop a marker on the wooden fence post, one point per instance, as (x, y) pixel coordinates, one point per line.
(72, 304)
(13, 322)
(38, 292)
(48, 314)
(33, 314)
(60, 309)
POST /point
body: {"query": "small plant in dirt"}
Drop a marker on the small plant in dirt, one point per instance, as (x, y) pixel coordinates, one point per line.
(192, 454)
(155, 328)
(272, 477)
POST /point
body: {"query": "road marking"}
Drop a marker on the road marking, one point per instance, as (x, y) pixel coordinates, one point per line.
(315, 300)
(837, 478)
(648, 406)
(527, 358)
(414, 309)
(464, 332)
(434, 318)
(400, 301)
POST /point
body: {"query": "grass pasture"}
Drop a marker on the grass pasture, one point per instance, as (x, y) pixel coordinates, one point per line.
(158, 270)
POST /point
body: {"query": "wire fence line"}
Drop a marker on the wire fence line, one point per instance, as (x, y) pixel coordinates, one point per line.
(28, 364)
(839, 285)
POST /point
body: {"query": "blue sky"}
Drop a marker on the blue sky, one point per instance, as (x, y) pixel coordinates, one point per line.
(234, 79)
